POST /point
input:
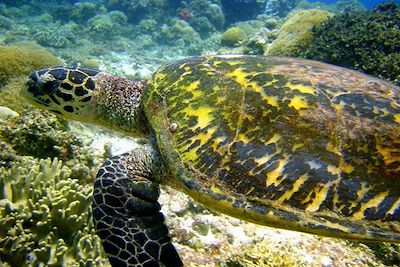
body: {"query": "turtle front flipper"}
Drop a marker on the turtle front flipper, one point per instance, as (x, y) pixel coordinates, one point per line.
(127, 214)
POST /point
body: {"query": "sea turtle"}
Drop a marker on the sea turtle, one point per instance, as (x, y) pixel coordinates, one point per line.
(277, 141)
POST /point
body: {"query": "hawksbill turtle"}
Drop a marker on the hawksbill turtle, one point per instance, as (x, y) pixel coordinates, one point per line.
(284, 142)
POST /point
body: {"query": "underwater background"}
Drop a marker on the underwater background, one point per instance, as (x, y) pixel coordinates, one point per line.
(48, 164)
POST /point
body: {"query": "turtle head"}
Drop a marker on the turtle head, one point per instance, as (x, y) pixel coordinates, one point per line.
(65, 91)
(89, 95)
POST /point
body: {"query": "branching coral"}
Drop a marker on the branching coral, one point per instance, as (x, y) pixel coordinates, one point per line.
(54, 37)
(46, 216)
(107, 24)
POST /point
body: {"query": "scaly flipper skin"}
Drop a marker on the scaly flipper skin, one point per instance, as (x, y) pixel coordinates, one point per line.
(127, 215)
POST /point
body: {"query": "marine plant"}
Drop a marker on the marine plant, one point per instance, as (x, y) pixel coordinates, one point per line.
(296, 33)
(365, 41)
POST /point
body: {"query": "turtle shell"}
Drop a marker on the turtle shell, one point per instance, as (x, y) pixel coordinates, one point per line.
(285, 142)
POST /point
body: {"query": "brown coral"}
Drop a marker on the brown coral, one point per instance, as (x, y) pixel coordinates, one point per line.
(295, 35)
(20, 60)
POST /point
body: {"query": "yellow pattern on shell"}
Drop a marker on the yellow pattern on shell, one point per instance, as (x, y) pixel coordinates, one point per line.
(371, 203)
(257, 133)
(302, 88)
(397, 118)
(298, 102)
(296, 187)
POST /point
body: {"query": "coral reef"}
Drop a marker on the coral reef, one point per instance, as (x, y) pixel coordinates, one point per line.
(337, 7)
(46, 216)
(46, 171)
(250, 27)
(21, 59)
(54, 37)
(45, 203)
(296, 34)
(205, 16)
(388, 253)
(10, 95)
(107, 25)
(79, 12)
(202, 234)
(39, 134)
(141, 9)
(233, 36)
(258, 43)
(241, 10)
(179, 31)
(280, 8)
(15, 2)
(367, 41)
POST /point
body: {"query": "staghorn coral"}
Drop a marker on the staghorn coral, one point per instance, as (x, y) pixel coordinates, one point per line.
(46, 216)
(296, 34)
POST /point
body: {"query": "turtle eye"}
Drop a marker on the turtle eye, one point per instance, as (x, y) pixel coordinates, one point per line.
(48, 87)
(45, 84)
